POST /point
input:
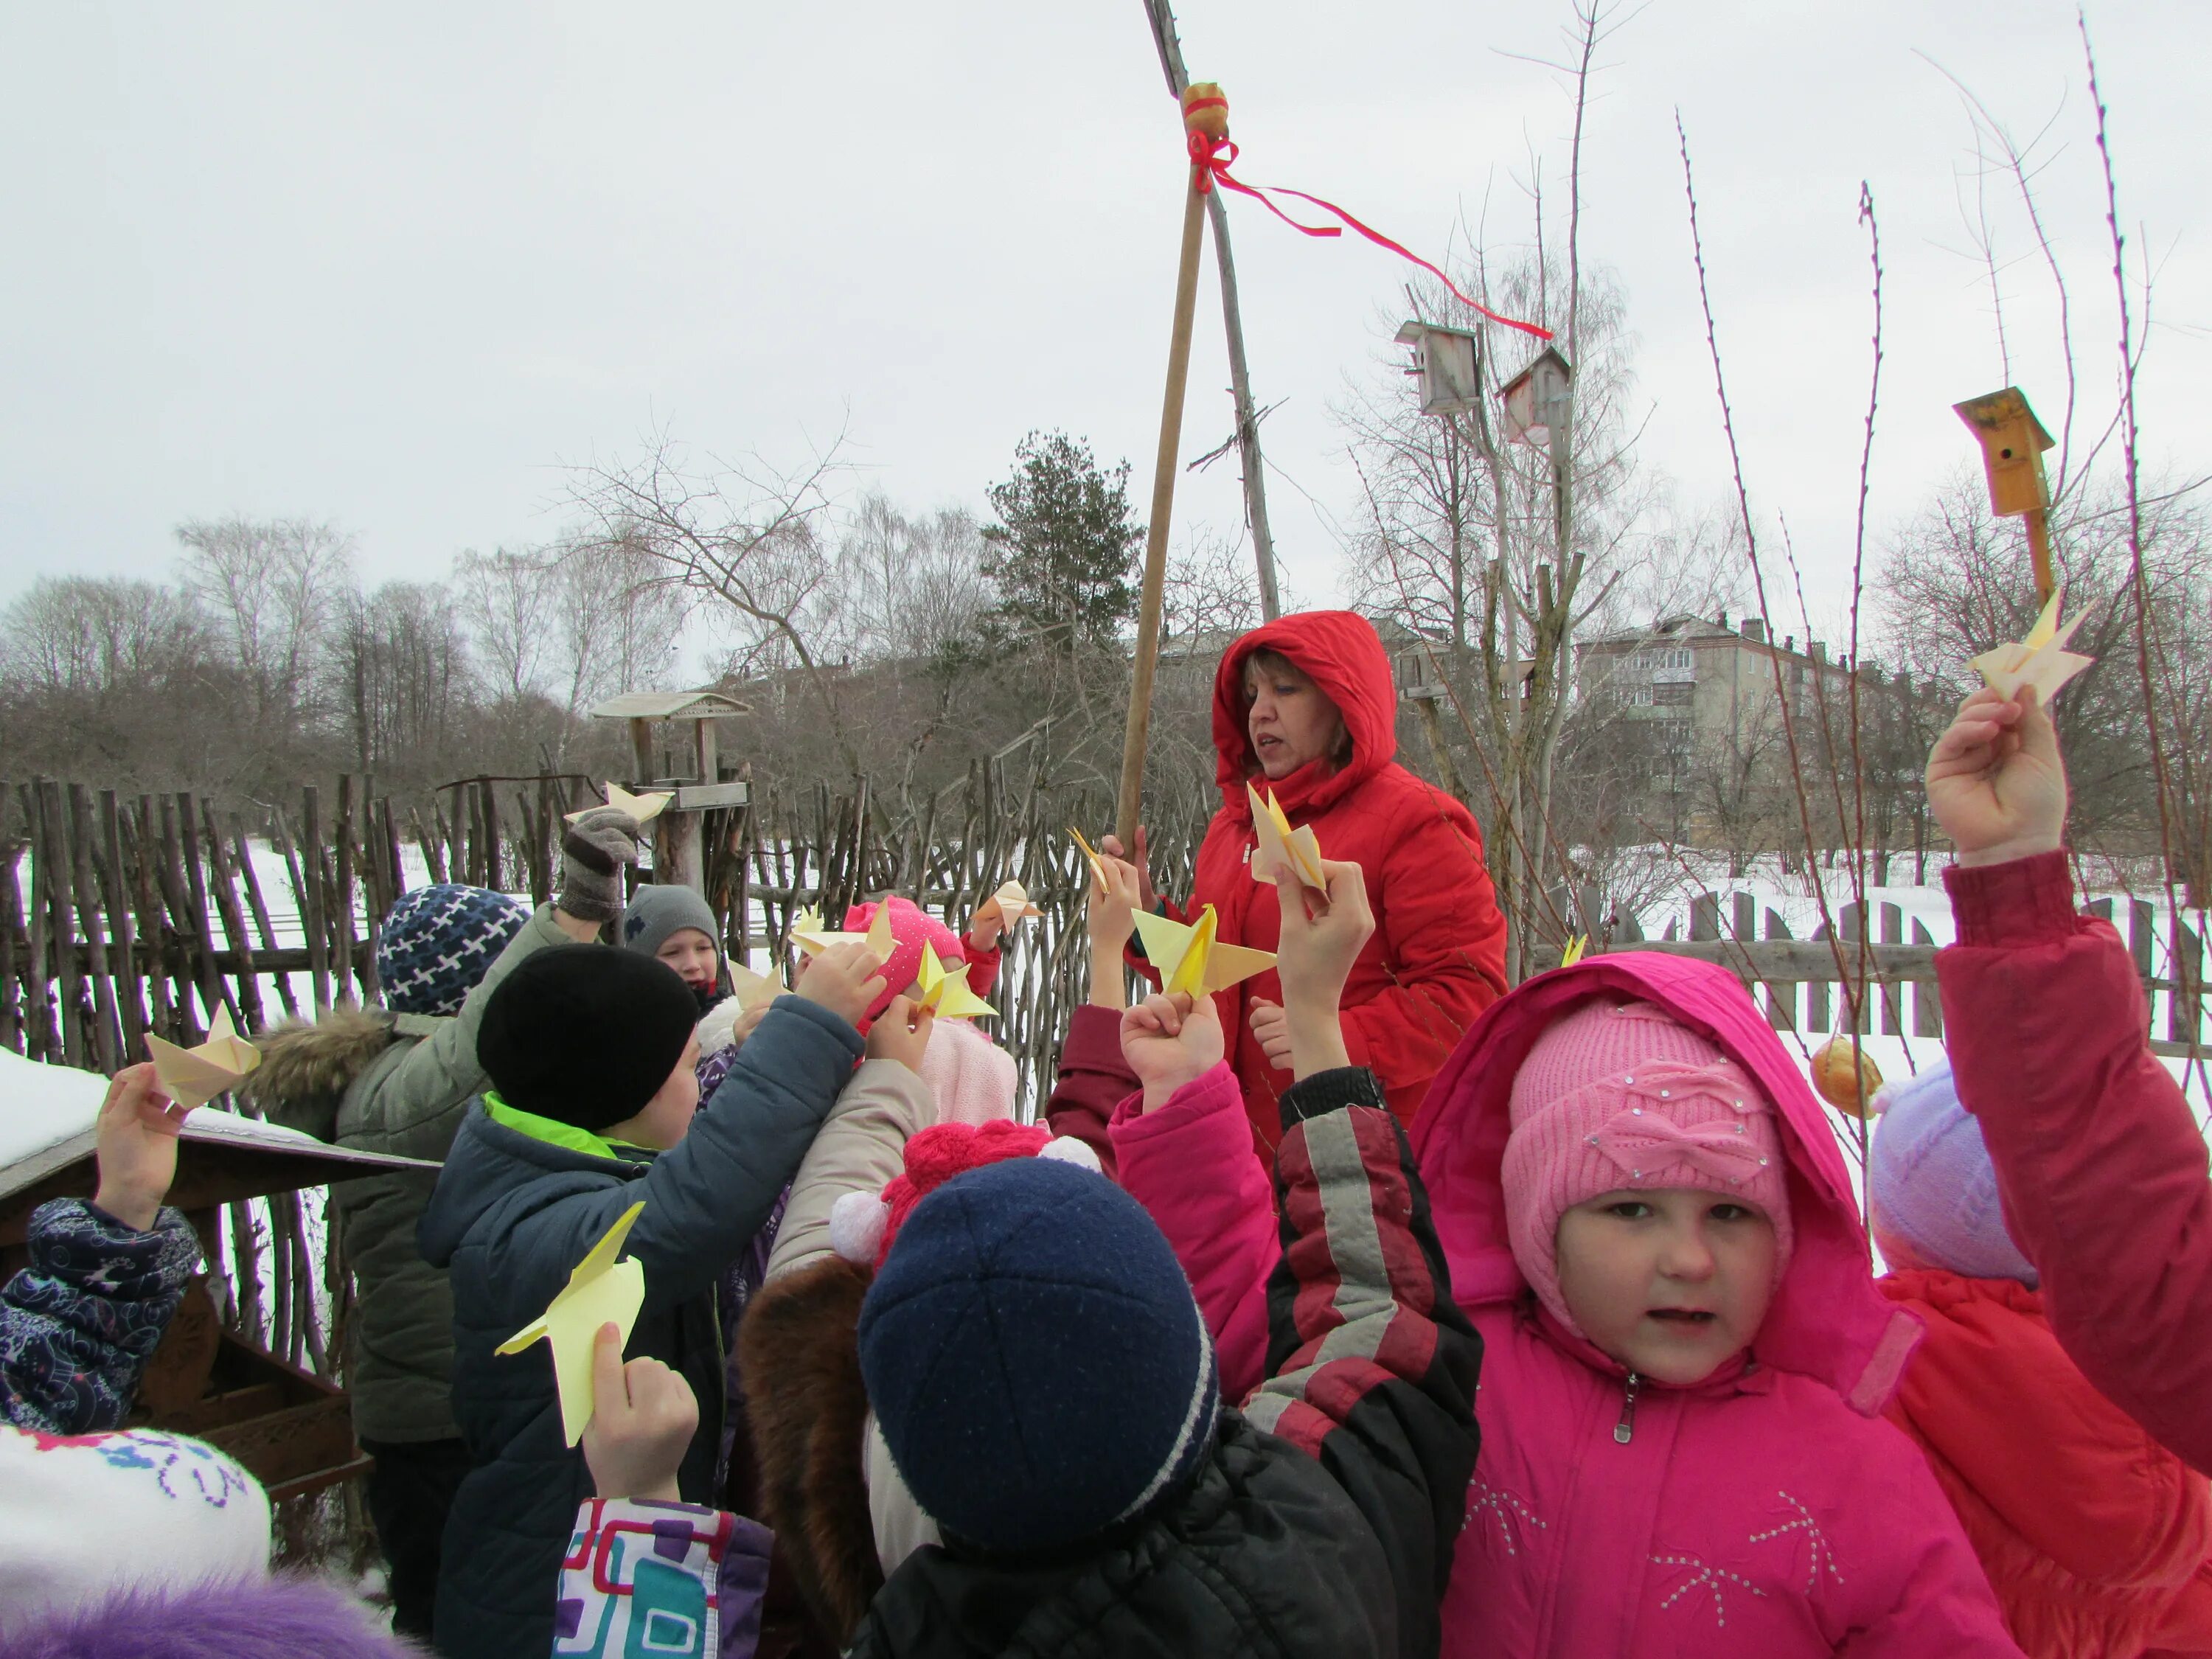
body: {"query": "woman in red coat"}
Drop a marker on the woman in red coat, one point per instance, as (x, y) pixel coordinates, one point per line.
(1306, 707)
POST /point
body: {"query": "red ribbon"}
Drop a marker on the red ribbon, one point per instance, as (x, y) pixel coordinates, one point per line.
(1206, 155)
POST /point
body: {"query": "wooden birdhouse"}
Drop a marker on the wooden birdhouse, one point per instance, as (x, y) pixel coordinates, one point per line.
(678, 847)
(1538, 398)
(1448, 362)
(2013, 442)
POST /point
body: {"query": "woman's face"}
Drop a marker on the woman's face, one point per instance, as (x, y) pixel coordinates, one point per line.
(1292, 722)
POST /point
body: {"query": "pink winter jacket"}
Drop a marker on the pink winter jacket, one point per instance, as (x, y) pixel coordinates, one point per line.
(1767, 1512)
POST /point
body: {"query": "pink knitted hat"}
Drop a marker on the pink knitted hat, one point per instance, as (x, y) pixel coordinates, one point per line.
(911, 927)
(1619, 1096)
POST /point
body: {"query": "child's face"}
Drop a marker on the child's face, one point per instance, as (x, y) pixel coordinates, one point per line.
(1671, 1283)
(667, 1116)
(692, 955)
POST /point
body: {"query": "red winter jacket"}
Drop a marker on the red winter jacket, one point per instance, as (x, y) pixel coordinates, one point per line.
(2093, 1537)
(2099, 1161)
(1437, 957)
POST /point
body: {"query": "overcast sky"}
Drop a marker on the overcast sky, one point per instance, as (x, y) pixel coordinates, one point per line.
(399, 266)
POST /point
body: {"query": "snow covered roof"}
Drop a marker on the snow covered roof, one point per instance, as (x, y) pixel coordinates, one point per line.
(48, 1115)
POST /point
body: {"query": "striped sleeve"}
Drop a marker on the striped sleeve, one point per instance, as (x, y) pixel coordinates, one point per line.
(1373, 1363)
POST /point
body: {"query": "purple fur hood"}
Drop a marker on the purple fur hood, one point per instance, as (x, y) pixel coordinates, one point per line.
(269, 1618)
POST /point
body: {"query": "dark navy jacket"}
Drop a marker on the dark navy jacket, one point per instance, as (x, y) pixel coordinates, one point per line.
(512, 1217)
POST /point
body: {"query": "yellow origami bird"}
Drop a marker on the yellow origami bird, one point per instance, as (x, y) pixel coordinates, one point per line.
(1297, 850)
(1573, 953)
(1189, 958)
(1011, 904)
(644, 808)
(2041, 659)
(815, 939)
(600, 1290)
(944, 992)
(752, 989)
(193, 1077)
(1091, 853)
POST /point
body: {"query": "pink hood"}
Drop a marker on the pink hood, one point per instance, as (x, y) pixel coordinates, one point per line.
(1827, 1320)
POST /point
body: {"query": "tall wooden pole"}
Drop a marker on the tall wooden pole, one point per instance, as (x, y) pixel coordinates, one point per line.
(1162, 17)
(1164, 466)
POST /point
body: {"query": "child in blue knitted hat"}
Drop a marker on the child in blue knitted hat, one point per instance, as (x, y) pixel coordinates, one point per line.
(1046, 1389)
(2093, 1536)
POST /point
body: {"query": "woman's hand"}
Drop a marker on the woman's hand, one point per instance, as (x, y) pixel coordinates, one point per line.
(902, 1033)
(643, 1417)
(1321, 936)
(135, 1146)
(1169, 1041)
(1996, 780)
(1271, 1030)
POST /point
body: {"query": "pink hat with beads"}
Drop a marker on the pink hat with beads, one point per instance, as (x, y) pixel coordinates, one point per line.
(1620, 1096)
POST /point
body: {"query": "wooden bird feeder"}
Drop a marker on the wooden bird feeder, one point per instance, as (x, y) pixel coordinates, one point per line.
(291, 1430)
(1448, 362)
(1537, 399)
(679, 833)
(2013, 442)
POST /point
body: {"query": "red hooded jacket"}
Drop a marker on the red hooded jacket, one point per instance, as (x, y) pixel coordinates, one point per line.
(2093, 1536)
(1437, 957)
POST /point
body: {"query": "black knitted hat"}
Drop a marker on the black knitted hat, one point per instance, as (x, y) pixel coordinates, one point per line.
(585, 1035)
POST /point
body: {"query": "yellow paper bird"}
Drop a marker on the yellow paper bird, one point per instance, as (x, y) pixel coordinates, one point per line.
(945, 991)
(1190, 959)
(1298, 850)
(644, 808)
(600, 1290)
(193, 1077)
(1091, 853)
(752, 989)
(816, 939)
(1573, 953)
(2041, 659)
(1011, 904)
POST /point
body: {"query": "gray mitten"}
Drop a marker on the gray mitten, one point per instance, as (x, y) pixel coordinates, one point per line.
(592, 853)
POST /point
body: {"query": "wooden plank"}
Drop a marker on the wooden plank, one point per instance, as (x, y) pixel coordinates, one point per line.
(304, 865)
(1809, 960)
(344, 950)
(123, 932)
(1781, 994)
(1893, 933)
(53, 869)
(243, 850)
(1705, 916)
(221, 878)
(2184, 1009)
(1927, 1005)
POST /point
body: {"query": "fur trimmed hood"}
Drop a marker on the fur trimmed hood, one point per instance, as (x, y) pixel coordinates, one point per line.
(799, 1352)
(306, 1066)
(279, 1618)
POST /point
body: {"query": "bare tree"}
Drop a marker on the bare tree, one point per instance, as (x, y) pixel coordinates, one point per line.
(513, 605)
(745, 536)
(271, 587)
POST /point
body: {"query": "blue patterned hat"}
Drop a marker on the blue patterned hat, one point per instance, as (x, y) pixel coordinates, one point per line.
(439, 942)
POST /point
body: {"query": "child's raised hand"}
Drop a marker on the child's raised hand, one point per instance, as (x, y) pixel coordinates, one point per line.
(1113, 899)
(1170, 1040)
(136, 1147)
(902, 1033)
(1111, 846)
(1996, 780)
(643, 1417)
(845, 979)
(1321, 937)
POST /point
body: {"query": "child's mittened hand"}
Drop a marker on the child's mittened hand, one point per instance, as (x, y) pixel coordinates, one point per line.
(1996, 780)
(845, 979)
(136, 1147)
(643, 1417)
(593, 850)
(902, 1033)
(1170, 1041)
